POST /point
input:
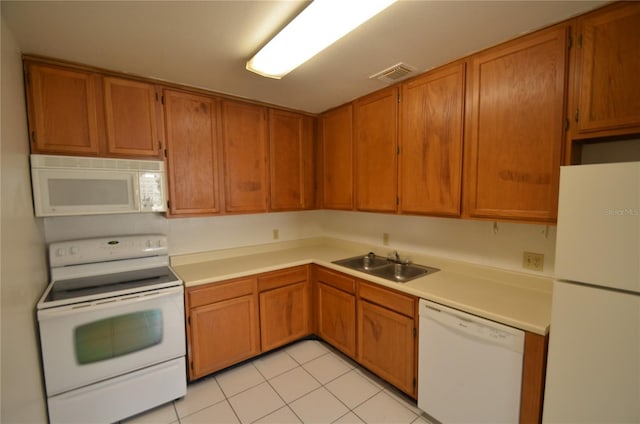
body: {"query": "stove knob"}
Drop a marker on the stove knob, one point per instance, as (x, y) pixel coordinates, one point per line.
(61, 252)
(74, 250)
(149, 244)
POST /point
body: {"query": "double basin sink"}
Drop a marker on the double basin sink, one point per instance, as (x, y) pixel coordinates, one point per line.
(390, 269)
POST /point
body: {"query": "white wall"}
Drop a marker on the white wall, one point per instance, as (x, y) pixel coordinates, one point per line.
(466, 240)
(23, 274)
(189, 235)
(472, 241)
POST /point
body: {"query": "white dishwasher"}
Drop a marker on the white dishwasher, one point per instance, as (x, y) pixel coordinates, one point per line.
(469, 368)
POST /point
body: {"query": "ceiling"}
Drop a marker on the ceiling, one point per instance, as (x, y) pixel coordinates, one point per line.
(206, 44)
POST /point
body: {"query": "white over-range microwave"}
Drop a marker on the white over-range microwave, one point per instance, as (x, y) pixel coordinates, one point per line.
(71, 185)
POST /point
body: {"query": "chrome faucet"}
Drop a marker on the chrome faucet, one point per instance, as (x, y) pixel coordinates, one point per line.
(395, 257)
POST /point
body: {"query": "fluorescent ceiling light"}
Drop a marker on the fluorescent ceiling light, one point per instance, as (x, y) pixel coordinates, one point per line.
(319, 25)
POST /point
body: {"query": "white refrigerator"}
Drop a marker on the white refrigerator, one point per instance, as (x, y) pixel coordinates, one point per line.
(593, 368)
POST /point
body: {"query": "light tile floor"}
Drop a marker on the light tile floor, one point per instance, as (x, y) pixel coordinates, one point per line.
(307, 382)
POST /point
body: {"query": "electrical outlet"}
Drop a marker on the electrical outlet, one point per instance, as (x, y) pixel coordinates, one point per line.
(385, 239)
(533, 261)
(276, 234)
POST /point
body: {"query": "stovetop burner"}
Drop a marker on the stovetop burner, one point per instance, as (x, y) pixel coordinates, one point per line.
(110, 283)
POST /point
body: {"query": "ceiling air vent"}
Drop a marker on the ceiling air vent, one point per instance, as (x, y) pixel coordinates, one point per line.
(394, 73)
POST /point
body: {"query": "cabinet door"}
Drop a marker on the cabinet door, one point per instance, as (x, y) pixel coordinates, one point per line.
(336, 318)
(284, 315)
(608, 65)
(290, 160)
(336, 158)
(376, 151)
(386, 345)
(192, 153)
(223, 334)
(132, 112)
(516, 128)
(244, 138)
(63, 110)
(431, 130)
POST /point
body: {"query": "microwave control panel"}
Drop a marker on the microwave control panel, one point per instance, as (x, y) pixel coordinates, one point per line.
(152, 192)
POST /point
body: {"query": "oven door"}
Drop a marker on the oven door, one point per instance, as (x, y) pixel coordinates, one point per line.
(85, 343)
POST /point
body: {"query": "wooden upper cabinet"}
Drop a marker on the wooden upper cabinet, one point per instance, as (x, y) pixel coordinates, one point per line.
(606, 92)
(291, 160)
(431, 131)
(336, 158)
(131, 116)
(192, 153)
(515, 133)
(244, 155)
(63, 109)
(376, 151)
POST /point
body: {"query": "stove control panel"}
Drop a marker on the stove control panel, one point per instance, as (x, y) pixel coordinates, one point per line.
(75, 252)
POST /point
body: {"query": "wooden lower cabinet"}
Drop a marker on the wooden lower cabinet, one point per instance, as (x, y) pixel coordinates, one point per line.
(284, 306)
(335, 304)
(222, 325)
(387, 339)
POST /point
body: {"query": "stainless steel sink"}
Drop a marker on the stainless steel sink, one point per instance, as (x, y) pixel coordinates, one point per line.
(402, 273)
(385, 268)
(363, 262)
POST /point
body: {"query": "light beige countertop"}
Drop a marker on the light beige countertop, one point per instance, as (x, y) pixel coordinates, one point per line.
(517, 299)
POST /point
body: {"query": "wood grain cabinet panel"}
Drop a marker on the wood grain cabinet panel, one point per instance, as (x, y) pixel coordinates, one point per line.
(376, 151)
(291, 161)
(244, 155)
(284, 315)
(386, 345)
(606, 90)
(336, 317)
(132, 110)
(285, 306)
(63, 110)
(336, 158)
(516, 128)
(222, 334)
(431, 132)
(191, 127)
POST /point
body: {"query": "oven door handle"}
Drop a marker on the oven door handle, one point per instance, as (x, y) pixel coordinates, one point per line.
(111, 302)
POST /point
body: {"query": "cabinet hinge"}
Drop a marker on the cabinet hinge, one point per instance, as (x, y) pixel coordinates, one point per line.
(189, 320)
(162, 99)
(165, 153)
(191, 365)
(33, 137)
(398, 97)
(576, 115)
(398, 150)
(580, 41)
(168, 204)
(570, 42)
(415, 332)
(566, 124)
(398, 203)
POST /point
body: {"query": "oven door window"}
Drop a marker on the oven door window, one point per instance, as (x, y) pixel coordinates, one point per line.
(117, 336)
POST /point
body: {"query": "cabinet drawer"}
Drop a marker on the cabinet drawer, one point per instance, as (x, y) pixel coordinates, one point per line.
(337, 280)
(283, 277)
(388, 298)
(216, 292)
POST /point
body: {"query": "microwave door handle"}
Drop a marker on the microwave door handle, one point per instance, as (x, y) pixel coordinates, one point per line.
(136, 192)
